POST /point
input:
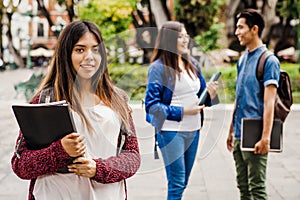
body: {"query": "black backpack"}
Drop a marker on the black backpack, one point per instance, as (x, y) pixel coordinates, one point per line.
(284, 98)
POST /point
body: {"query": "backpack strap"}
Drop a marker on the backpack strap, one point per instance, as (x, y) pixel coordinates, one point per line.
(17, 149)
(261, 64)
(124, 134)
(156, 156)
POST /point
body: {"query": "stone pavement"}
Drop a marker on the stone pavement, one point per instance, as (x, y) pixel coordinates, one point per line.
(213, 175)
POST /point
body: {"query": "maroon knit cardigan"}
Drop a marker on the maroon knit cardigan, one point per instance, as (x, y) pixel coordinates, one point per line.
(34, 163)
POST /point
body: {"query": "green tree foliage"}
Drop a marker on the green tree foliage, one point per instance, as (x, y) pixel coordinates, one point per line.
(111, 16)
(198, 15)
(208, 39)
(289, 8)
(201, 18)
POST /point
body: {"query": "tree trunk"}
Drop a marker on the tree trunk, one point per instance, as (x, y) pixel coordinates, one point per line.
(269, 13)
(16, 54)
(231, 8)
(1, 28)
(42, 8)
(158, 12)
(70, 9)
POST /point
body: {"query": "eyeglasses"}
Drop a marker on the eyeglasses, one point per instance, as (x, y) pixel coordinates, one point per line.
(185, 36)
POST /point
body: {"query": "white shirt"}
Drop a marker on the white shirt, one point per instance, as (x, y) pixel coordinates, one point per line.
(100, 144)
(184, 94)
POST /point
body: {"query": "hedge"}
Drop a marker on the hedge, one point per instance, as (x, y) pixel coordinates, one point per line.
(133, 79)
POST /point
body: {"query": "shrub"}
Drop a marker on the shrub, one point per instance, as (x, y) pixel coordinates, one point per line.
(133, 79)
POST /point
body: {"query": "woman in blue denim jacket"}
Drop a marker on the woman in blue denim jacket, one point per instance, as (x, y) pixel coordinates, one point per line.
(175, 82)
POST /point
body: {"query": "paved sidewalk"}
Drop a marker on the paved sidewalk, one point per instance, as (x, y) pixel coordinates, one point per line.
(213, 175)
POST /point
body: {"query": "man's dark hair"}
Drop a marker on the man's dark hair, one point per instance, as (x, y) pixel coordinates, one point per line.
(253, 17)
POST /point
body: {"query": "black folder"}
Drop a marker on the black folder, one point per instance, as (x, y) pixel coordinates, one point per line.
(251, 132)
(42, 124)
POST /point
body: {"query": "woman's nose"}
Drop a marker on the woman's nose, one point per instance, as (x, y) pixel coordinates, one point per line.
(89, 54)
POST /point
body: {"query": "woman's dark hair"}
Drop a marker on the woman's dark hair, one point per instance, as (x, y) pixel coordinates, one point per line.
(166, 48)
(253, 17)
(62, 76)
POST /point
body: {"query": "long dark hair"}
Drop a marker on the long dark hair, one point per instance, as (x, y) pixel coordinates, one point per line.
(62, 76)
(166, 49)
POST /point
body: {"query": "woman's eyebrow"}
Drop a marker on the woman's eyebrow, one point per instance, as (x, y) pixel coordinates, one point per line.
(83, 45)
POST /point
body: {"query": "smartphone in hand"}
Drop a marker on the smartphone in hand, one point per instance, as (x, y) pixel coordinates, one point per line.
(204, 94)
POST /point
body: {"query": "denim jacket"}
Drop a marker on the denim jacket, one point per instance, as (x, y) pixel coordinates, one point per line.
(159, 94)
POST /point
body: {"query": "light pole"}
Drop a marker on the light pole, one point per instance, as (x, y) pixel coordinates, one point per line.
(296, 23)
(28, 13)
(29, 61)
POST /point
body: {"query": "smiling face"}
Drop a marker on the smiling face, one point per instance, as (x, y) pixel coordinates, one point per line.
(182, 42)
(85, 56)
(244, 33)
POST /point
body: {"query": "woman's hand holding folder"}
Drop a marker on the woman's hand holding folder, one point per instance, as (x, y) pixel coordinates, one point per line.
(83, 167)
(73, 144)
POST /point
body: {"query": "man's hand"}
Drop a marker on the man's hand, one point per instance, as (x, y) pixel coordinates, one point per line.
(262, 146)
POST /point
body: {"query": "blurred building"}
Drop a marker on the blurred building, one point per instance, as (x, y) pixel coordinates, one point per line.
(31, 30)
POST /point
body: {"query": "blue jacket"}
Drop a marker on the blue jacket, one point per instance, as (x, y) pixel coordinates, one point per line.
(159, 94)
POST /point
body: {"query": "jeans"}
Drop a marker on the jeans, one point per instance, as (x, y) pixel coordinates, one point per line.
(251, 173)
(179, 151)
